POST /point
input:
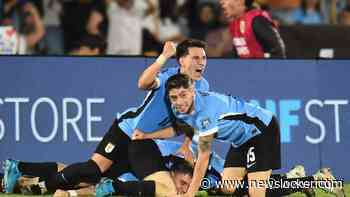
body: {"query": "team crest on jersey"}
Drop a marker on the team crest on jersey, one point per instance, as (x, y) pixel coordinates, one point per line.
(109, 148)
(205, 123)
(242, 26)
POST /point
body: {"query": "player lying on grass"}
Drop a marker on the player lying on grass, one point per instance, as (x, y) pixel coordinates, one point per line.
(31, 186)
(149, 166)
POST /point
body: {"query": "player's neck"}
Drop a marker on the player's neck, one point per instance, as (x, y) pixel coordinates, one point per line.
(183, 71)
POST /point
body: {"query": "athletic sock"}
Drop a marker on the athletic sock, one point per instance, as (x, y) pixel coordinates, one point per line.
(72, 175)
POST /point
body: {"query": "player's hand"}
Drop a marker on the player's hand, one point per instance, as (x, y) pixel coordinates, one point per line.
(169, 49)
(138, 135)
(61, 193)
(186, 152)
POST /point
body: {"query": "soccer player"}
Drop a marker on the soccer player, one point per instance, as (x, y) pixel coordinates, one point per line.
(191, 56)
(167, 149)
(254, 34)
(252, 131)
(146, 163)
(151, 115)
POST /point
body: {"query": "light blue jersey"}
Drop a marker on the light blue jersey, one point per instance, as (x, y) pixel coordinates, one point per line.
(231, 119)
(170, 147)
(153, 114)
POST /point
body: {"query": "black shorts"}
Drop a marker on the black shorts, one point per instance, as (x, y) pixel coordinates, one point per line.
(260, 153)
(145, 158)
(115, 146)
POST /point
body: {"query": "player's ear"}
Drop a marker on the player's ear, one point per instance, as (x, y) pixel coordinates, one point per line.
(181, 61)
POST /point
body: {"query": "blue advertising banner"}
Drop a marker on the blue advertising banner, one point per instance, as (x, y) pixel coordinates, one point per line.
(58, 108)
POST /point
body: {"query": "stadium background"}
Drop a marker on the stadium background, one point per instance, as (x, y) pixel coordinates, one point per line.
(56, 109)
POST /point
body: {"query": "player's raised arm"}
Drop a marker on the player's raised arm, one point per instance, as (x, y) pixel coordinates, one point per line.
(204, 147)
(148, 79)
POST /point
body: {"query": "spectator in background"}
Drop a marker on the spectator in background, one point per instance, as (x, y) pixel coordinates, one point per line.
(282, 11)
(90, 45)
(331, 8)
(53, 40)
(219, 40)
(25, 17)
(11, 11)
(253, 32)
(309, 13)
(148, 10)
(169, 26)
(98, 19)
(344, 16)
(206, 20)
(74, 18)
(125, 29)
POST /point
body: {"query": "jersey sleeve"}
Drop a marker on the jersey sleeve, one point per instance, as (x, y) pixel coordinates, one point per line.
(162, 77)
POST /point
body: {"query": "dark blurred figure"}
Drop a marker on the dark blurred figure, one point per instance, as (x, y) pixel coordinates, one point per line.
(98, 19)
(25, 18)
(151, 46)
(1, 8)
(205, 21)
(74, 20)
(89, 45)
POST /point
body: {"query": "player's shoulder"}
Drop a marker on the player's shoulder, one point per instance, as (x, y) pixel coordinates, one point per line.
(205, 83)
(213, 99)
(170, 70)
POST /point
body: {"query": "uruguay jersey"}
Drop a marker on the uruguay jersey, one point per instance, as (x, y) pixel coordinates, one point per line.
(231, 119)
(168, 147)
(154, 113)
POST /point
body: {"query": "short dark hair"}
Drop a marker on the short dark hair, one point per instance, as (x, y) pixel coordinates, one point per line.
(248, 3)
(180, 165)
(177, 81)
(93, 42)
(182, 48)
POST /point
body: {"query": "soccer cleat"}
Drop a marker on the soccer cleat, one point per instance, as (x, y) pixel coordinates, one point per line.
(297, 171)
(11, 175)
(333, 186)
(105, 188)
